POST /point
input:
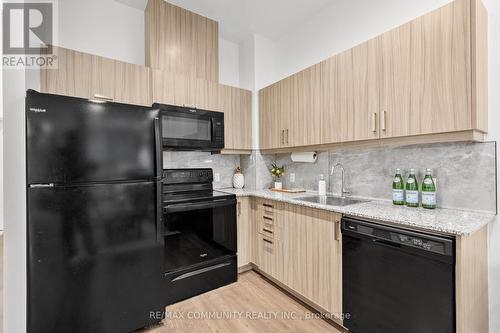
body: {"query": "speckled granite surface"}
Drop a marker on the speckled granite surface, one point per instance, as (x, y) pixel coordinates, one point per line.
(444, 221)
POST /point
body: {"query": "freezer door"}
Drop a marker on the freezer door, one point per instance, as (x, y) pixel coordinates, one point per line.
(73, 140)
(94, 261)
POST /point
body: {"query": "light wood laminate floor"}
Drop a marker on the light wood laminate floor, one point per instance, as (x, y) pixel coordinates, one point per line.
(252, 304)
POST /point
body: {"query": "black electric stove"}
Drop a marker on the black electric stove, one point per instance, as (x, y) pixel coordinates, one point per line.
(199, 229)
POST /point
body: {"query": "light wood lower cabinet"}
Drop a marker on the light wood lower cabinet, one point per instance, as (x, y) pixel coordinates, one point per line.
(301, 248)
(245, 230)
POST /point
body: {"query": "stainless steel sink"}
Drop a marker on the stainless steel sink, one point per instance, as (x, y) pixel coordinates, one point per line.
(330, 200)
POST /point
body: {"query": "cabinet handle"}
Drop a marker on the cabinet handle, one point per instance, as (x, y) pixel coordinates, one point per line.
(374, 122)
(268, 205)
(337, 230)
(267, 218)
(383, 120)
(103, 97)
(287, 142)
(267, 230)
(267, 241)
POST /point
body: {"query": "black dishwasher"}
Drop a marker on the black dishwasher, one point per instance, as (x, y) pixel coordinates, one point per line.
(396, 280)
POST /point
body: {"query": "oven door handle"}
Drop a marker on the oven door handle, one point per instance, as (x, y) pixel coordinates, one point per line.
(185, 207)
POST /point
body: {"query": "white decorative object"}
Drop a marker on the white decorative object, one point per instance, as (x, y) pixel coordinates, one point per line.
(238, 179)
(278, 185)
(304, 157)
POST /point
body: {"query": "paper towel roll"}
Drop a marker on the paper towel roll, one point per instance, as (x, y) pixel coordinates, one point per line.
(305, 157)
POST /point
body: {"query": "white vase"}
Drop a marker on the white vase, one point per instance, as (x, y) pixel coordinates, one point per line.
(278, 185)
(238, 180)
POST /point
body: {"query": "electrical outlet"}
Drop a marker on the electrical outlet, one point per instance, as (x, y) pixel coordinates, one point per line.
(292, 178)
(217, 177)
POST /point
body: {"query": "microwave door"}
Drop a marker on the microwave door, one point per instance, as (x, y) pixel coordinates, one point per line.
(181, 130)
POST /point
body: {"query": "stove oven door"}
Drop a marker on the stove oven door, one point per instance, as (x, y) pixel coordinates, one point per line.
(198, 233)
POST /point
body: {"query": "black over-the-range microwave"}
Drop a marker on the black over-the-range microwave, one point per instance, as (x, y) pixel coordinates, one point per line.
(186, 128)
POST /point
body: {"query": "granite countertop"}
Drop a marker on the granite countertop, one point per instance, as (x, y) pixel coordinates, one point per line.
(443, 221)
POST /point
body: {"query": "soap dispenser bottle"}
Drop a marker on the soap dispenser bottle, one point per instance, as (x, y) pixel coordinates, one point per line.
(321, 186)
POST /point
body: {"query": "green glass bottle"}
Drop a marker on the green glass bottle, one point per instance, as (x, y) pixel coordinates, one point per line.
(428, 191)
(412, 190)
(398, 189)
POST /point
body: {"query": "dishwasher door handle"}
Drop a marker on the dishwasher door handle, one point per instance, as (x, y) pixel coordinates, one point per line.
(386, 243)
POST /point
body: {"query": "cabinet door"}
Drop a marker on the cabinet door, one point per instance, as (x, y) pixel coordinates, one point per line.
(441, 70)
(245, 231)
(287, 109)
(163, 90)
(337, 99)
(103, 78)
(228, 105)
(132, 84)
(305, 117)
(244, 137)
(269, 114)
(366, 81)
(72, 76)
(312, 255)
(395, 94)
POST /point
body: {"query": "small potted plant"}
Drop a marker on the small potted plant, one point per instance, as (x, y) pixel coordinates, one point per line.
(277, 172)
(238, 178)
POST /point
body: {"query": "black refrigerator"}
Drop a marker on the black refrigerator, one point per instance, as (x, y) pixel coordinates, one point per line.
(95, 254)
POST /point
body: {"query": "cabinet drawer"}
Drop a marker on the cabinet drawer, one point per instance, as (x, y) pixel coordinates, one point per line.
(268, 207)
(270, 256)
(269, 227)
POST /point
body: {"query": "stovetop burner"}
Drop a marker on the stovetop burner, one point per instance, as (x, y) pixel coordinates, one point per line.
(190, 185)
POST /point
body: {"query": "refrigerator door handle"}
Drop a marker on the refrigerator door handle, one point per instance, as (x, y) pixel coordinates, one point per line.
(159, 213)
(158, 148)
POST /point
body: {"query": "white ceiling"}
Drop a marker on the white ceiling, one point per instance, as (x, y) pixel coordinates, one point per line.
(240, 18)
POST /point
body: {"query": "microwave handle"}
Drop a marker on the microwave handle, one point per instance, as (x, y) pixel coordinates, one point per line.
(212, 122)
(158, 148)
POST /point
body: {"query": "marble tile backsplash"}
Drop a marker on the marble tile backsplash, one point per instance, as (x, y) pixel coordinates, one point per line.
(465, 172)
(223, 165)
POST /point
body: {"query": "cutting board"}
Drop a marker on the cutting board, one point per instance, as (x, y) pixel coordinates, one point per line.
(288, 190)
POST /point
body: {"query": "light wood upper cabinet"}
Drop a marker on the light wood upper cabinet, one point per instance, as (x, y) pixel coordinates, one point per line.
(395, 89)
(181, 41)
(237, 107)
(72, 77)
(270, 131)
(305, 116)
(441, 70)
(337, 96)
(366, 84)
(88, 76)
(427, 77)
(132, 84)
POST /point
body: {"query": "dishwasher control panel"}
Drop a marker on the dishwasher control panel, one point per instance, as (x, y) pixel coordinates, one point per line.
(397, 237)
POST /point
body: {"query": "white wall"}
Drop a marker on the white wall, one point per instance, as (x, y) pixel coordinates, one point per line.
(229, 63)
(102, 27)
(15, 202)
(493, 7)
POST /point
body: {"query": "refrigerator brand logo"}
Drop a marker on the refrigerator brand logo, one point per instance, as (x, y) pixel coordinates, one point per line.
(38, 110)
(28, 34)
(194, 111)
